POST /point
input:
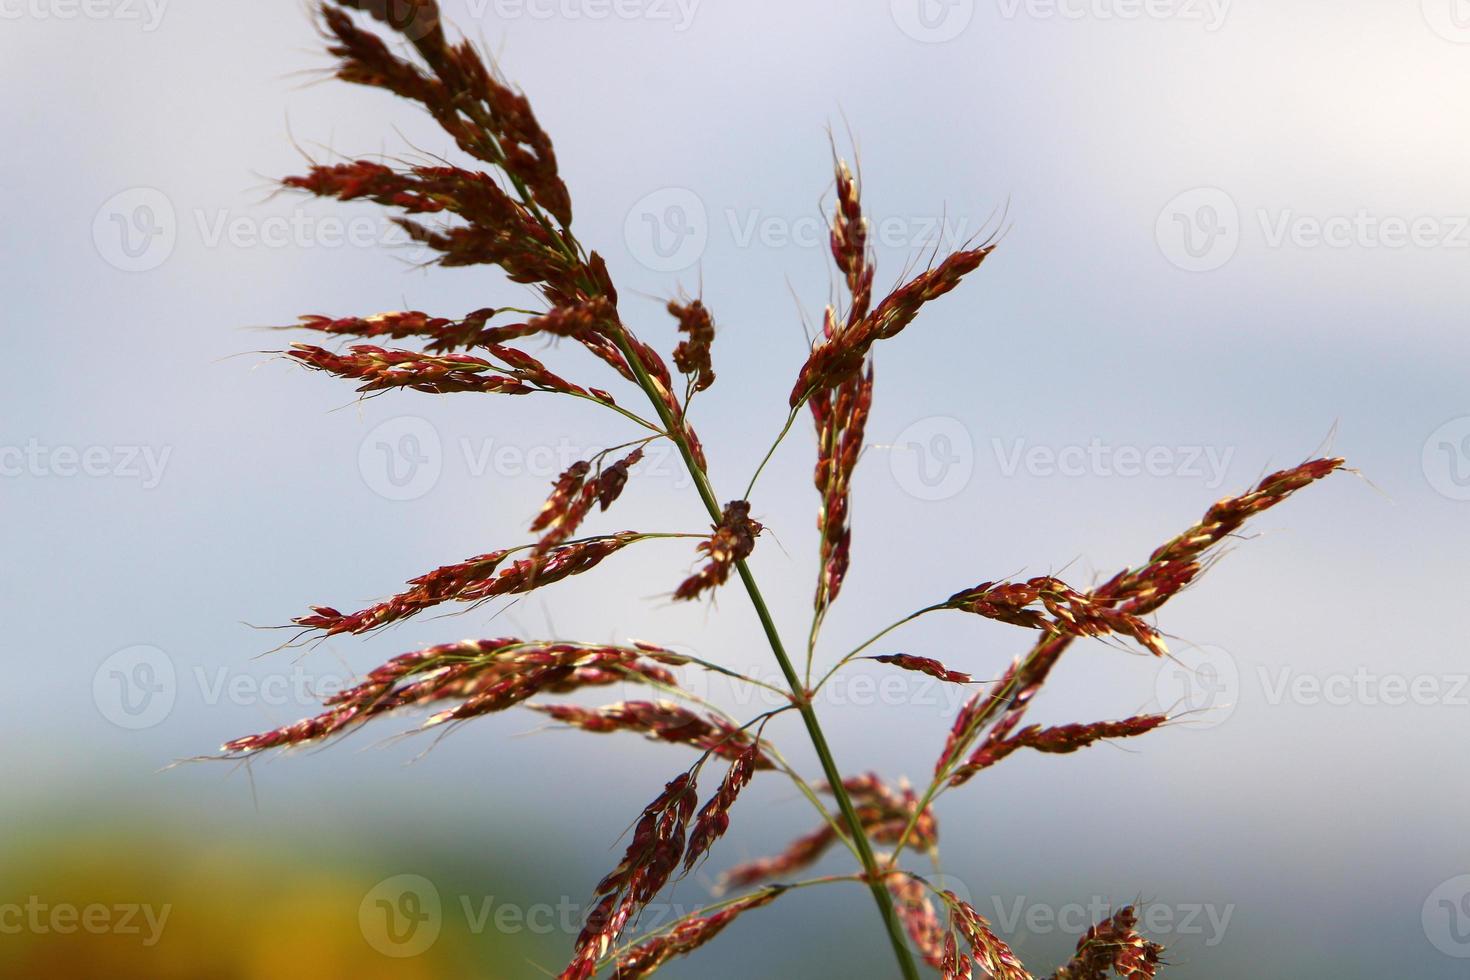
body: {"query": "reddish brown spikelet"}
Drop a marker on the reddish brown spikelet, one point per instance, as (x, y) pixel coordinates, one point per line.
(610, 481)
(442, 333)
(1060, 739)
(954, 965)
(714, 816)
(471, 581)
(1063, 610)
(687, 936)
(915, 910)
(692, 356)
(837, 357)
(571, 500)
(733, 540)
(849, 241)
(487, 119)
(925, 665)
(986, 948)
(488, 674)
(841, 416)
(800, 853)
(652, 856)
(1134, 591)
(883, 814)
(1113, 944)
(662, 721)
(1175, 563)
(379, 369)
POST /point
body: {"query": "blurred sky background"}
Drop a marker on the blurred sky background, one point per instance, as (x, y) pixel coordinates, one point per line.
(1235, 235)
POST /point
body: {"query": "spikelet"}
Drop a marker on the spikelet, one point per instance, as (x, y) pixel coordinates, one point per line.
(1113, 944)
(924, 665)
(733, 540)
(1059, 739)
(915, 908)
(992, 955)
(652, 856)
(1063, 610)
(484, 675)
(473, 580)
(692, 356)
(714, 817)
(661, 721)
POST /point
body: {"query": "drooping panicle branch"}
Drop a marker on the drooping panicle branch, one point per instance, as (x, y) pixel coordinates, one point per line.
(483, 675)
(651, 858)
(472, 580)
(662, 721)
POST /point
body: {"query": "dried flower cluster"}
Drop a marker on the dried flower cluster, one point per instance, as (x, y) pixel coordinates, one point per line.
(510, 209)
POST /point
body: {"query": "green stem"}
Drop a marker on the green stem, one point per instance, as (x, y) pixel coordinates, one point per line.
(872, 874)
(674, 427)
